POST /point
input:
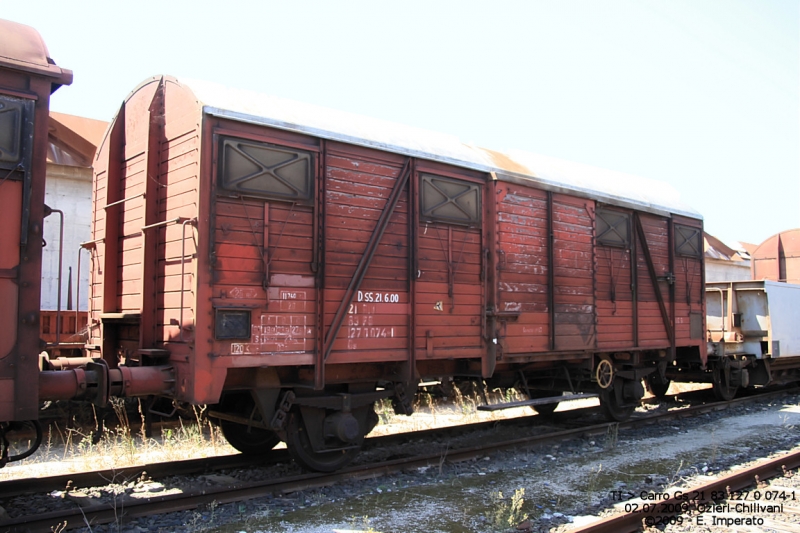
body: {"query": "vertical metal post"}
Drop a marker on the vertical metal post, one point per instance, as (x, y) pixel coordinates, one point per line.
(634, 284)
(319, 246)
(88, 247)
(60, 264)
(671, 246)
(413, 271)
(183, 270)
(551, 274)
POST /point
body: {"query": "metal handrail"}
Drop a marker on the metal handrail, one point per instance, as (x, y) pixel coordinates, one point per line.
(123, 200)
(60, 263)
(165, 223)
(192, 221)
(721, 308)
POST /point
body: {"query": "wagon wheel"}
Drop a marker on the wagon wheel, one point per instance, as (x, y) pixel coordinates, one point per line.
(720, 380)
(247, 439)
(614, 409)
(299, 445)
(604, 374)
(657, 386)
(24, 437)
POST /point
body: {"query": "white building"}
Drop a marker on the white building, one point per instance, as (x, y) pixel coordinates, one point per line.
(73, 142)
(724, 263)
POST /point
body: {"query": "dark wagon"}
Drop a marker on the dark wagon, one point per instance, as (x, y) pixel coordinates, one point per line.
(27, 78)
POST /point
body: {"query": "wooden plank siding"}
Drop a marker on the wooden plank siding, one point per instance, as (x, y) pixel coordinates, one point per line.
(594, 284)
(574, 273)
(261, 259)
(273, 275)
(160, 158)
(689, 294)
(97, 251)
(131, 220)
(358, 183)
(524, 270)
(652, 332)
(179, 174)
(522, 242)
(614, 297)
(448, 326)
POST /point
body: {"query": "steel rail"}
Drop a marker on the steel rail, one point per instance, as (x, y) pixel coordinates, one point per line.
(95, 478)
(633, 522)
(238, 492)
(103, 513)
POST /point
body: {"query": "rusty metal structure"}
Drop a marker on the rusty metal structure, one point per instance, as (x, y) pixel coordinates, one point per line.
(778, 258)
(27, 78)
(291, 265)
(752, 327)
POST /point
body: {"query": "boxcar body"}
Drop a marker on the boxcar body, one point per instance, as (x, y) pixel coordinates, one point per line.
(316, 261)
(291, 265)
(778, 258)
(27, 78)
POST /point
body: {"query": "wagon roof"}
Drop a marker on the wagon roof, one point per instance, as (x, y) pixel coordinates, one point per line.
(22, 48)
(544, 172)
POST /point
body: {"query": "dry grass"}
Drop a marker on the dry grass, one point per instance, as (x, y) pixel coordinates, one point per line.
(677, 388)
(74, 450)
(430, 412)
(71, 450)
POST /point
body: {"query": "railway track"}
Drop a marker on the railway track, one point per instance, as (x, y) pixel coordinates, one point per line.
(720, 502)
(238, 491)
(95, 478)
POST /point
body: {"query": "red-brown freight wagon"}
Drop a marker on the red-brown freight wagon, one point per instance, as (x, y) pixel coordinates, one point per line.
(292, 265)
(27, 78)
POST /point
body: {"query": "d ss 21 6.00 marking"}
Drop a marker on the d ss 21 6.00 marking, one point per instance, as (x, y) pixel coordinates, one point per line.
(378, 297)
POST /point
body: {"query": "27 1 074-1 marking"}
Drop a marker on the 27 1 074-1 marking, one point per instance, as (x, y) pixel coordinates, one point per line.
(361, 317)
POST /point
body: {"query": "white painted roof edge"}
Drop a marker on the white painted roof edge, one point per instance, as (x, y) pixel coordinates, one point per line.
(605, 186)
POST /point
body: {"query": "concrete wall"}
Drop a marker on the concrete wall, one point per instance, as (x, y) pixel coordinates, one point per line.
(70, 190)
(718, 270)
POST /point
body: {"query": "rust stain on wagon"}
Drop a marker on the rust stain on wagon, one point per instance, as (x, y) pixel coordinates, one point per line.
(504, 162)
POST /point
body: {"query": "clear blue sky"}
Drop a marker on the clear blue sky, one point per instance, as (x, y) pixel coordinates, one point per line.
(702, 94)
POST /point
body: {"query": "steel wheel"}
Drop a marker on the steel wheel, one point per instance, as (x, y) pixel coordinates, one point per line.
(24, 436)
(612, 408)
(723, 390)
(299, 445)
(249, 440)
(656, 386)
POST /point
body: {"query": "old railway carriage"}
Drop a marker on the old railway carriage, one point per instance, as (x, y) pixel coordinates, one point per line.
(293, 265)
(27, 78)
